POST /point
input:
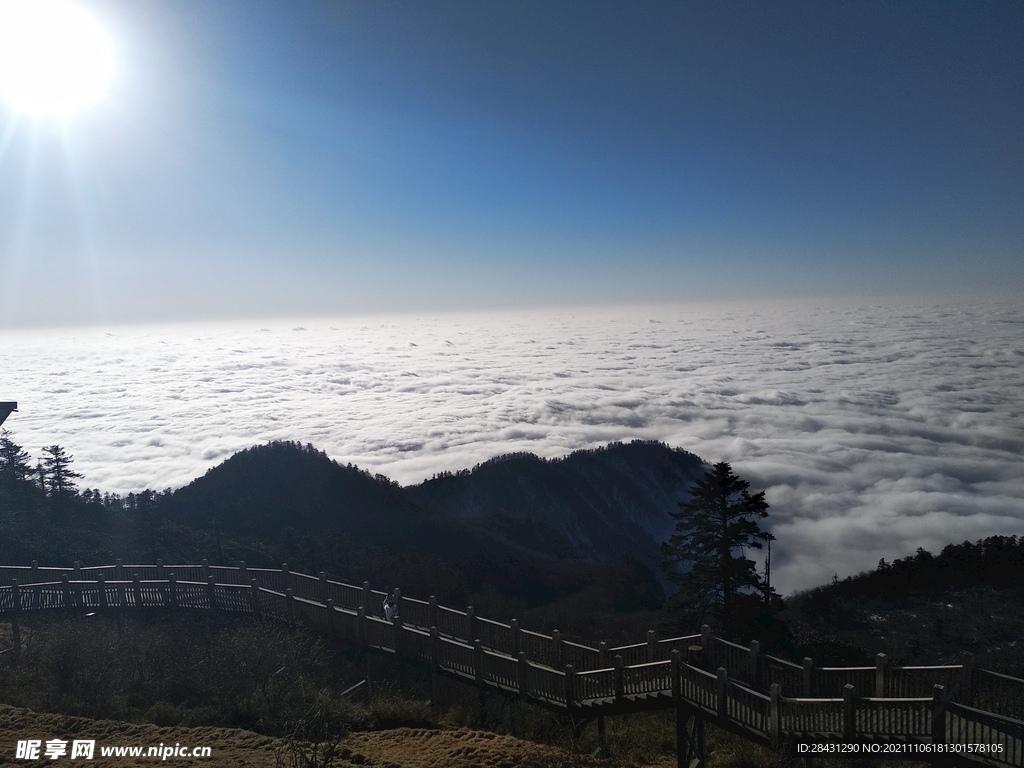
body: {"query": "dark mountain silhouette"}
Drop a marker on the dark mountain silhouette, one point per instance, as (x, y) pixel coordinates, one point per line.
(578, 536)
(599, 505)
(261, 491)
(316, 513)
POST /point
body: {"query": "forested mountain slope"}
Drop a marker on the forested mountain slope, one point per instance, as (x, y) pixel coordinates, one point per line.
(925, 608)
(600, 505)
(318, 514)
(514, 533)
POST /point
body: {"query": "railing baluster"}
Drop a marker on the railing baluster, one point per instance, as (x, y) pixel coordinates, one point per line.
(722, 692)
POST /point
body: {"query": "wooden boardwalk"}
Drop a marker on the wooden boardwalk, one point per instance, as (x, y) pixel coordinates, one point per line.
(940, 711)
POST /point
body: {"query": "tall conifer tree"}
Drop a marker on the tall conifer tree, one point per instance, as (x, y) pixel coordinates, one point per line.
(14, 461)
(60, 478)
(713, 529)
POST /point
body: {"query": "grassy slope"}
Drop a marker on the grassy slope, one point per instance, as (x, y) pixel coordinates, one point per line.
(397, 748)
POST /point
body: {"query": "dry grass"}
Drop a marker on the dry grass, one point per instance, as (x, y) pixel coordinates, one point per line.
(460, 748)
(396, 748)
(438, 747)
(230, 747)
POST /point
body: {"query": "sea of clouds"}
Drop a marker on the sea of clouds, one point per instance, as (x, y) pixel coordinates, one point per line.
(876, 427)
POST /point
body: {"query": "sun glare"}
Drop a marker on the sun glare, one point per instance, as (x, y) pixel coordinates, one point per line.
(54, 56)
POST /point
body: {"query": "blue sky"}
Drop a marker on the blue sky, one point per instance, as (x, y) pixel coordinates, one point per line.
(279, 158)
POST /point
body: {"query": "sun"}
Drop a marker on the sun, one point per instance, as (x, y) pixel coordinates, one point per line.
(54, 57)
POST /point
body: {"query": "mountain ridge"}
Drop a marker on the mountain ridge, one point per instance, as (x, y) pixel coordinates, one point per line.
(598, 504)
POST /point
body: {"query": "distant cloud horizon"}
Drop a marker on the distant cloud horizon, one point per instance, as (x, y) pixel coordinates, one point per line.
(875, 426)
(252, 159)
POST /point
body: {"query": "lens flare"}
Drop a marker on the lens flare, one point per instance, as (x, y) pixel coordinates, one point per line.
(54, 57)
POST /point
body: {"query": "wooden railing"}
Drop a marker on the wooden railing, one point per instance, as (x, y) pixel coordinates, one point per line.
(1001, 739)
(763, 697)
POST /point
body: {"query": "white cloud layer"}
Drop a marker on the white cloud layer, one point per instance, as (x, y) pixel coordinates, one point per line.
(876, 427)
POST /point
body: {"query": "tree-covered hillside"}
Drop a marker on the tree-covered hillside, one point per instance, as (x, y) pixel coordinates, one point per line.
(601, 504)
(926, 608)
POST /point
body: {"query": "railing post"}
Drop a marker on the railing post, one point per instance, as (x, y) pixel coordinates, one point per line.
(65, 586)
(254, 596)
(332, 618)
(651, 647)
(755, 652)
(119, 569)
(705, 637)
(521, 673)
(137, 590)
(78, 570)
(101, 589)
(693, 655)
(172, 590)
(286, 576)
(471, 624)
(478, 662)
(517, 637)
(880, 660)
(290, 600)
(435, 648)
(210, 595)
(849, 712)
(808, 674)
(677, 661)
(242, 573)
(160, 569)
(967, 679)
(396, 624)
(362, 631)
(569, 675)
(556, 647)
(602, 655)
(620, 683)
(432, 612)
(938, 715)
(722, 692)
(774, 716)
(205, 570)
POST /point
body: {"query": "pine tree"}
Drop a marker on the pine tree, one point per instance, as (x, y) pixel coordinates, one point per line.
(713, 529)
(59, 477)
(16, 486)
(14, 462)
